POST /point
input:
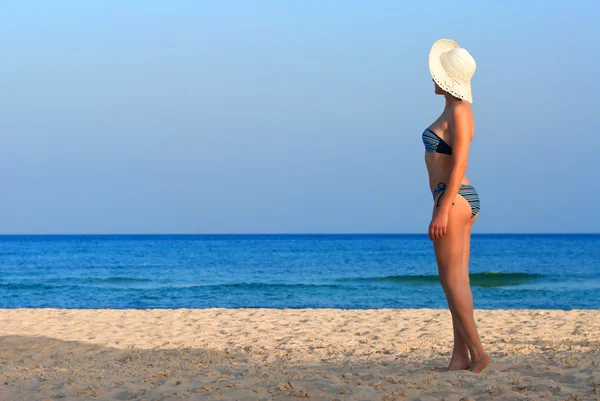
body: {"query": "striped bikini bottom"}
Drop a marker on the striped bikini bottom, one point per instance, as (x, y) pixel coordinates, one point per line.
(466, 191)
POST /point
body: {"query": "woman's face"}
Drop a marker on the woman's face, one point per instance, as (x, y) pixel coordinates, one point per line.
(437, 89)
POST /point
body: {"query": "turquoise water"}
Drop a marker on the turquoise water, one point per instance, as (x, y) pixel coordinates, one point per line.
(291, 271)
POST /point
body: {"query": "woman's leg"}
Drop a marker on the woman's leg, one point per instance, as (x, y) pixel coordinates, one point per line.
(454, 275)
(460, 353)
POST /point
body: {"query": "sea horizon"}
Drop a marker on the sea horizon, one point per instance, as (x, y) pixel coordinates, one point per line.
(282, 234)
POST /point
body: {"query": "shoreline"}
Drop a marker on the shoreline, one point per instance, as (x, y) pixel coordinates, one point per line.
(272, 353)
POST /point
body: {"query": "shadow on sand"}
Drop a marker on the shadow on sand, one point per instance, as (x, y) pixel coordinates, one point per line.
(41, 368)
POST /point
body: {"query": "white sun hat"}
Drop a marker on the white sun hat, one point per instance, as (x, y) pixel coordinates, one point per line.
(452, 68)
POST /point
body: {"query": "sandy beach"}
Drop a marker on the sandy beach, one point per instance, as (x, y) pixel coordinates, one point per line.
(278, 354)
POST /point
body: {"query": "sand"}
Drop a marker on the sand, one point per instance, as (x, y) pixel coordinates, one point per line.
(279, 354)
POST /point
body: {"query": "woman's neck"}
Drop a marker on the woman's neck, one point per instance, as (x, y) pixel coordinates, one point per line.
(450, 100)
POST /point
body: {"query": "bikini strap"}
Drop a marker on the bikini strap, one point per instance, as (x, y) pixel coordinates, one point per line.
(442, 187)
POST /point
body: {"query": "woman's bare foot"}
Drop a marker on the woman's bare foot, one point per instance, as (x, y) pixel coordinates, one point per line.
(459, 363)
(481, 363)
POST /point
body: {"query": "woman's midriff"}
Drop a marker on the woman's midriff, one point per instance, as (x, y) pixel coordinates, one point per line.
(439, 167)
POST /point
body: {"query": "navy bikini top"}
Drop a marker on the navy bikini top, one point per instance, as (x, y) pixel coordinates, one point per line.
(434, 143)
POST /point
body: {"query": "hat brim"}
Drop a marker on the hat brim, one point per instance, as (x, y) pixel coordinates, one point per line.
(439, 75)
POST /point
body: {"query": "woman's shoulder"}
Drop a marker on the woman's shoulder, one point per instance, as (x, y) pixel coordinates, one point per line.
(461, 110)
(461, 118)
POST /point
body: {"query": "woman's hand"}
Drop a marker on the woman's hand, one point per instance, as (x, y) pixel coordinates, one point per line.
(438, 225)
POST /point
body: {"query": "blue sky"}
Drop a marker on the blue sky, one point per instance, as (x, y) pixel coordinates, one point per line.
(289, 117)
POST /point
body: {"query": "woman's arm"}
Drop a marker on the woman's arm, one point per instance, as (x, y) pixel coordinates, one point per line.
(461, 126)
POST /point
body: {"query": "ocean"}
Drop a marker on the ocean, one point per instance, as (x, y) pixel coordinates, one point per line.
(291, 271)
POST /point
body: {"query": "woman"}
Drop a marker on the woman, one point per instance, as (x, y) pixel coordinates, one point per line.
(456, 203)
